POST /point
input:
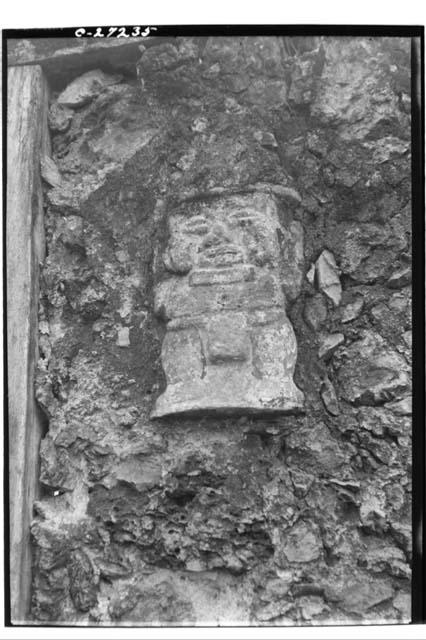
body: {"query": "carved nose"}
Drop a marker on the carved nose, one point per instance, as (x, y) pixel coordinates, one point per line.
(218, 235)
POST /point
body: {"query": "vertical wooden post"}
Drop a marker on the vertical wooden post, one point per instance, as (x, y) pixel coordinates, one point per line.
(27, 138)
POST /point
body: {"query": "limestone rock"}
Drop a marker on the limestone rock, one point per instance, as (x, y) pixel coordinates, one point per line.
(55, 471)
(266, 139)
(372, 510)
(319, 450)
(402, 534)
(402, 602)
(311, 607)
(123, 603)
(275, 589)
(141, 472)
(112, 566)
(59, 118)
(359, 596)
(329, 398)
(288, 194)
(272, 610)
(388, 558)
(382, 421)
(315, 312)
(329, 343)
(71, 233)
(85, 88)
(123, 339)
(400, 278)
(301, 544)
(83, 580)
(373, 420)
(64, 199)
(50, 172)
(380, 450)
(91, 301)
(310, 275)
(373, 372)
(328, 277)
(292, 259)
(163, 57)
(305, 71)
(352, 310)
(158, 604)
(402, 407)
(387, 147)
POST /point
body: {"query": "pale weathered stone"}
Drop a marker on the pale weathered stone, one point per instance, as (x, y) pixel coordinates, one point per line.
(59, 117)
(372, 511)
(71, 232)
(387, 147)
(311, 606)
(229, 345)
(329, 342)
(317, 447)
(315, 311)
(300, 544)
(287, 193)
(373, 372)
(292, 259)
(272, 610)
(123, 339)
(388, 558)
(266, 139)
(50, 172)
(90, 302)
(352, 310)
(328, 277)
(400, 278)
(85, 88)
(402, 407)
(359, 596)
(329, 398)
(310, 276)
(375, 420)
(304, 74)
(402, 602)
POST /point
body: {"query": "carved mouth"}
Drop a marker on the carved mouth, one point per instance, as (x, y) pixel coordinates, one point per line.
(223, 255)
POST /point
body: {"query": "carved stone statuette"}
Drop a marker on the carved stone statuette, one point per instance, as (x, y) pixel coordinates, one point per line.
(229, 346)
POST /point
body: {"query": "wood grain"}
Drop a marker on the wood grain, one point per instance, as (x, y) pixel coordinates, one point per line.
(27, 138)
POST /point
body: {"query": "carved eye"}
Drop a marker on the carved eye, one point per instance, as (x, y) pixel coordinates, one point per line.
(243, 218)
(197, 225)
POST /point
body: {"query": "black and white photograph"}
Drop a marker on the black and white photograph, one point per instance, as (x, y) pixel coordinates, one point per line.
(208, 326)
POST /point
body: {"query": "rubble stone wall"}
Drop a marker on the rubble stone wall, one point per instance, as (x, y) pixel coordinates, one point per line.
(302, 518)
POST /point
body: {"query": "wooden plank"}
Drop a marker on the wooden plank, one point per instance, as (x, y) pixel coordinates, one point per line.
(27, 138)
(66, 58)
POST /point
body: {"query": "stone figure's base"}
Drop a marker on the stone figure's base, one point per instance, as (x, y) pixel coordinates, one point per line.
(252, 398)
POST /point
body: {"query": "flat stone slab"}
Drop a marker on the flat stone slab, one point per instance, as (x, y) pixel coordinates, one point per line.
(85, 88)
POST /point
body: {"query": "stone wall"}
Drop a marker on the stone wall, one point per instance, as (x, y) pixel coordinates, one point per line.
(296, 518)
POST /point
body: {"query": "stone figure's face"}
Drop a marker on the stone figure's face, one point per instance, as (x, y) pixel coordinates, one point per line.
(216, 238)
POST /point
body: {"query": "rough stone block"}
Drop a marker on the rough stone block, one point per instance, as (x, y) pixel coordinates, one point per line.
(85, 88)
(328, 277)
(373, 372)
